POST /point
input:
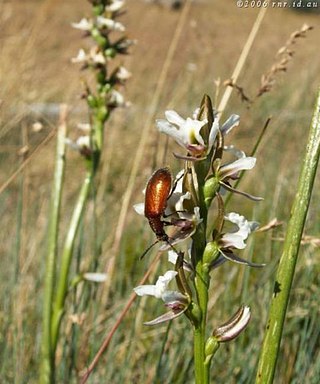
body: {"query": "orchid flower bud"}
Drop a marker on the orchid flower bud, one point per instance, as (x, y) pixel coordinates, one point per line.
(234, 326)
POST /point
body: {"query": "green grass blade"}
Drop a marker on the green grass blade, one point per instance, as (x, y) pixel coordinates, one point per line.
(47, 361)
(285, 272)
(62, 285)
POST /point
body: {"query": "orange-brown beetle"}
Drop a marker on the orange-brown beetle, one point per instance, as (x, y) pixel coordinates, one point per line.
(157, 192)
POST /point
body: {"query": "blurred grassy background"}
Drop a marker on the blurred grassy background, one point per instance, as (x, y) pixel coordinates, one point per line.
(37, 43)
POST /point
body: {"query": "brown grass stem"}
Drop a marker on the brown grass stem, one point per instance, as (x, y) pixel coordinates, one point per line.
(27, 161)
(242, 59)
(109, 336)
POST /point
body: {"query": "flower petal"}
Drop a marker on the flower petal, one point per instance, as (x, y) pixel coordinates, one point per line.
(139, 208)
(186, 132)
(236, 259)
(213, 134)
(170, 130)
(232, 122)
(172, 256)
(174, 297)
(233, 240)
(110, 24)
(159, 289)
(234, 151)
(174, 118)
(145, 290)
(236, 166)
(84, 25)
(115, 6)
(236, 239)
(81, 57)
(163, 281)
(95, 277)
(165, 317)
(228, 187)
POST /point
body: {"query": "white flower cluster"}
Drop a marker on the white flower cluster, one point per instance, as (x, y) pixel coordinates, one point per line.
(200, 138)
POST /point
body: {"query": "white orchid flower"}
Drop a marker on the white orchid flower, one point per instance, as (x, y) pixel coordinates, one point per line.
(115, 6)
(160, 289)
(186, 132)
(237, 239)
(82, 57)
(84, 25)
(116, 100)
(176, 301)
(110, 24)
(95, 56)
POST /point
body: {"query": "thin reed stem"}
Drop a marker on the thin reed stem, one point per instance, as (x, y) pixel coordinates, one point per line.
(242, 59)
(28, 160)
(286, 269)
(47, 361)
(62, 285)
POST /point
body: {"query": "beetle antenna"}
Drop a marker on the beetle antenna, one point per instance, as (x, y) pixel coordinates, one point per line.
(172, 247)
(148, 249)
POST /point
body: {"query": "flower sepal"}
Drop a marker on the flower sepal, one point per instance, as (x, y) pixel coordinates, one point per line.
(176, 310)
(229, 255)
(206, 113)
(234, 326)
(176, 301)
(181, 279)
(196, 135)
(236, 238)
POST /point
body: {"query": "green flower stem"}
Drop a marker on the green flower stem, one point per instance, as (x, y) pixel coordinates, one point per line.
(202, 280)
(202, 285)
(212, 346)
(198, 341)
(99, 117)
(62, 286)
(201, 255)
(47, 360)
(285, 273)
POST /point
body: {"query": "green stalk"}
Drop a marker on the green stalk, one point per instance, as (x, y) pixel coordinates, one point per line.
(47, 360)
(62, 286)
(57, 311)
(202, 280)
(206, 193)
(199, 357)
(285, 273)
(100, 114)
(199, 335)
